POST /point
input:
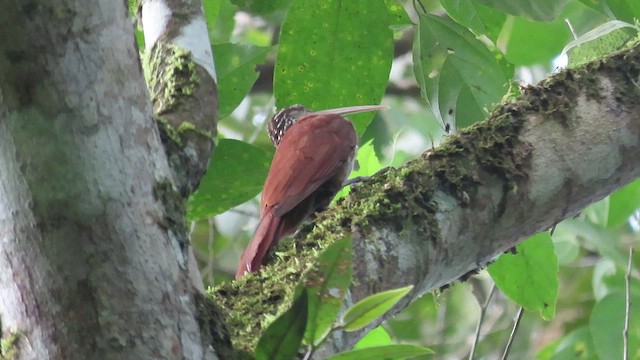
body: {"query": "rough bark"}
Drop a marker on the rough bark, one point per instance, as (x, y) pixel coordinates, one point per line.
(93, 246)
(565, 143)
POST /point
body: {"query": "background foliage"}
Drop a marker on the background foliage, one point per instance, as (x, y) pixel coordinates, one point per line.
(439, 65)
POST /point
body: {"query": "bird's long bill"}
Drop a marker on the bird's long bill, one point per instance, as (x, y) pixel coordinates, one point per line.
(350, 110)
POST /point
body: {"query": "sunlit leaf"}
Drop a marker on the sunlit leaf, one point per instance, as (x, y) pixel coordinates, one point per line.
(376, 337)
(530, 277)
(372, 307)
(236, 174)
(368, 164)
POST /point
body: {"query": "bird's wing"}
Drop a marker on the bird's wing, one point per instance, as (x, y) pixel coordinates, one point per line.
(310, 153)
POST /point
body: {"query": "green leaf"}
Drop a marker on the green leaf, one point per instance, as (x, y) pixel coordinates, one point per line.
(327, 283)
(566, 244)
(368, 164)
(448, 59)
(211, 9)
(236, 69)
(376, 337)
(479, 18)
(599, 42)
(261, 6)
(577, 345)
(387, 352)
(372, 307)
(530, 277)
(334, 53)
(623, 203)
(236, 174)
(531, 42)
(539, 10)
(282, 339)
(398, 16)
(625, 10)
(606, 324)
(220, 20)
(597, 213)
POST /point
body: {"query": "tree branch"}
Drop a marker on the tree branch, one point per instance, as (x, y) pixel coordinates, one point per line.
(565, 143)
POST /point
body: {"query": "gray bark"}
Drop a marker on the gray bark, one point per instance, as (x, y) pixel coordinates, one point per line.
(93, 258)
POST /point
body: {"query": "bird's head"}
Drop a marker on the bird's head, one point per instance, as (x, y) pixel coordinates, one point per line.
(288, 116)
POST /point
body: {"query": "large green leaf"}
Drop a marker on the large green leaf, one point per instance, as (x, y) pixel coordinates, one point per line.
(479, 18)
(623, 203)
(327, 283)
(449, 58)
(334, 53)
(387, 352)
(372, 307)
(530, 277)
(236, 174)
(540, 10)
(236, 69)
(606, 324)
(282, 339)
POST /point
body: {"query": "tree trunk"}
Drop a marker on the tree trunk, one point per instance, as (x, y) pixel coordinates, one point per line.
(94, 254)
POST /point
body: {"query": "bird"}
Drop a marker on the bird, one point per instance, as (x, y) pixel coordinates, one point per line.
(314, 156)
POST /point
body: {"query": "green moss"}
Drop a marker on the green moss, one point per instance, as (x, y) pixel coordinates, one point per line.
(9, 346)
(253, 302)
(171, 75)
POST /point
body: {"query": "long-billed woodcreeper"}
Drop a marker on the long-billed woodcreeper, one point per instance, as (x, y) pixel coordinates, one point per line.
(314, 156)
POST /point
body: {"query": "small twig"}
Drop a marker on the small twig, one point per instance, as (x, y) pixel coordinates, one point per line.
(263, 126)
(309, 353)
(355, 180)
(505, 355)
(210, 252)
(483, 311)
(627, 307)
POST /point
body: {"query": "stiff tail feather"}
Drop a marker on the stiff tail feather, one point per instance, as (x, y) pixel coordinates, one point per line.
(262, 240)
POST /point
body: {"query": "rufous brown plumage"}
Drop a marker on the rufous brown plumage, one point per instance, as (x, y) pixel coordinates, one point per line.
(314, 156)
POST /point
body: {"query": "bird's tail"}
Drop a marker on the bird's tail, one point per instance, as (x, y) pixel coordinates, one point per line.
(265, 237)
